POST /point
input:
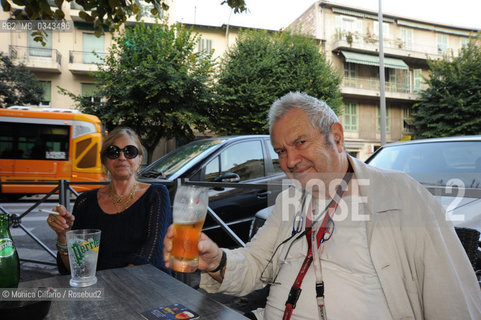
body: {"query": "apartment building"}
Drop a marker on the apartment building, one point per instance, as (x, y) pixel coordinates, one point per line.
(216, 38)
(70, 54)
(349, 37)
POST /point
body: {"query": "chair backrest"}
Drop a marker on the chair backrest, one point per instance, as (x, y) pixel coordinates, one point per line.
(470, 240)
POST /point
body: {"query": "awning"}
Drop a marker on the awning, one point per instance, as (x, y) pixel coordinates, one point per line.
(369, 60)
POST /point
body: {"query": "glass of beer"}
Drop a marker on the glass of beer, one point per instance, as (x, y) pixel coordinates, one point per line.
(83, 251)
(189, 211)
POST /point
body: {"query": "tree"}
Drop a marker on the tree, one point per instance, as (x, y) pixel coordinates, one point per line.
(155, 82)
(451, 103)
(18, 85)
(260, 68)
(112, 13)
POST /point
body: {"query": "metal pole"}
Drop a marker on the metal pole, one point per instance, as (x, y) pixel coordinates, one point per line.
(227, 30)
(382, 80)
(63, 194)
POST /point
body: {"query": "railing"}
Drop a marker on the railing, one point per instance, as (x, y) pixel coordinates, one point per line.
(369, 39)
(27, 54)
(373, 84)
(86, 57)
(64, 190)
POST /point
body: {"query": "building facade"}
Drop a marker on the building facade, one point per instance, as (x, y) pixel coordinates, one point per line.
(70, 53)
(349, 37)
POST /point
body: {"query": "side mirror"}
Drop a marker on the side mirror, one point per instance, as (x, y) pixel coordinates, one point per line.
(227, 177)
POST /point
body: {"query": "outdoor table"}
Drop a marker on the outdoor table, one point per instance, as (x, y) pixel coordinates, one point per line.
(129, 291)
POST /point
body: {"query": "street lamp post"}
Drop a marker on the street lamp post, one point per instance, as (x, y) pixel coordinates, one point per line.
(382, 80)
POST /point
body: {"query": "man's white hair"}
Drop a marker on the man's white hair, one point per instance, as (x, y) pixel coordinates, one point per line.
(318, 112)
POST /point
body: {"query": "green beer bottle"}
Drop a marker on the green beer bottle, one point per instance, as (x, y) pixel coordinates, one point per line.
(9, 264)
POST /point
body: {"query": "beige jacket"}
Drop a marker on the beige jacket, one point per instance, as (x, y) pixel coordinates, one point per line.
(422, 266)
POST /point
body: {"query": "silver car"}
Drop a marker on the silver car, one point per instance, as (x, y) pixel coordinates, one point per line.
(450, 168)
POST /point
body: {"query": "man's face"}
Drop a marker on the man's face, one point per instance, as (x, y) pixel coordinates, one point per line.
(303, 151)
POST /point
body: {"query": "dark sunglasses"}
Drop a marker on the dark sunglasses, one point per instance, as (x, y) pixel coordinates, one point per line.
(113, 152)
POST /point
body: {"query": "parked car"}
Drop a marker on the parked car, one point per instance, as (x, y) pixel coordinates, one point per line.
(247, 159)
(437, 164)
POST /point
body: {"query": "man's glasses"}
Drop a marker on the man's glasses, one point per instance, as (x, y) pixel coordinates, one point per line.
(113, 152)
(327, 234)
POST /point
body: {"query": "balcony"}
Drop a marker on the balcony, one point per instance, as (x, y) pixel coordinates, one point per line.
(84, 62)
(395, 47)
(362, 87)
(37, 59)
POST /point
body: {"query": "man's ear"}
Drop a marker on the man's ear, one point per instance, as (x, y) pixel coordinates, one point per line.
(337, 133)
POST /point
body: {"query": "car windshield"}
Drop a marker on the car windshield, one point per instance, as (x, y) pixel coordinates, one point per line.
(173, 161)
(435, 163)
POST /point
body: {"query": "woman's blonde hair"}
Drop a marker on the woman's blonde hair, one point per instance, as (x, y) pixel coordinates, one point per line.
(113, 135)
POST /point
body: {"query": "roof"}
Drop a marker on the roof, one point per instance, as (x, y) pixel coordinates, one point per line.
(443, 139)
(328, 4)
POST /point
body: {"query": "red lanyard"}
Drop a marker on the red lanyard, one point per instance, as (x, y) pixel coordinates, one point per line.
(295, 291)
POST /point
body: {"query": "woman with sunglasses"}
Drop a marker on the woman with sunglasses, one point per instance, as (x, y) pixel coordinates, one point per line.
(132, 216)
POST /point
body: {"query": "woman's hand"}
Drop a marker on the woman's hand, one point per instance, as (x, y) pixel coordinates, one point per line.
(60, 223)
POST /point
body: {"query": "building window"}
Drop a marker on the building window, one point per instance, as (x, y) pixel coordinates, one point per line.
(348, 26)
(379, 119)
(90, 90)
(408, 121)
(205, 45)
(442, 43)
(417, 80)
(385, 29)
(350, 116)
(349, 75)
(349, 70)
(464, 42)
(392, 80)
(47, 92)
(407, 38)
(91, 44)
(36, 48)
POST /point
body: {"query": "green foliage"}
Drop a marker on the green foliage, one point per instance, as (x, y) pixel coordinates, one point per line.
(154, 82)
(237, 5)
(18, 85)
(451, 104)
(262, 67)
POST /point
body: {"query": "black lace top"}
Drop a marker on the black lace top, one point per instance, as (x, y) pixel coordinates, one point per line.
(133, 236)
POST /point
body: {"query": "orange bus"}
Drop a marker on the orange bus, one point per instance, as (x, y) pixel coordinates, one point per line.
(44, 146)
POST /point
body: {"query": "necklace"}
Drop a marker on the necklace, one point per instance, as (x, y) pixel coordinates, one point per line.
(122, 202)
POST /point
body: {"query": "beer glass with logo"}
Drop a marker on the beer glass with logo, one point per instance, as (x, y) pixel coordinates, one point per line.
(189, 211)
(83, 251)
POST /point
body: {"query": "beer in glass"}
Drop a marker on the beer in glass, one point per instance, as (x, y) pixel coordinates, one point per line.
(189, 212)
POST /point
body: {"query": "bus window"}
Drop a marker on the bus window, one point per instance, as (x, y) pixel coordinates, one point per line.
(34, 141)
(89, 158)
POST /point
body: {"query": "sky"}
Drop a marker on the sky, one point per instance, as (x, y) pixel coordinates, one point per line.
(277, 14)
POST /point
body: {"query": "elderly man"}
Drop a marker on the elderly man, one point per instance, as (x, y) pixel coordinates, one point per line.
(349, 242)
